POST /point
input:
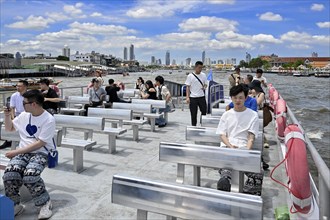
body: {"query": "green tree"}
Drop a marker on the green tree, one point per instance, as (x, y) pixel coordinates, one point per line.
(64, 58)
(256, 63)
(242, 63)
(266, 65)
(298, 63)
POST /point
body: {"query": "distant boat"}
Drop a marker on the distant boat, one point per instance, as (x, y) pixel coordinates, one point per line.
(322, 74)
(301, 74)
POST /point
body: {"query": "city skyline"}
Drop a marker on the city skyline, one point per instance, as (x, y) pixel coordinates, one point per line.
(223, 28)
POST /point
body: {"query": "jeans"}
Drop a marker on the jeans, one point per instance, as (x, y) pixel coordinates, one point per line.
(193, 106)
(161, 120)
(26, 169)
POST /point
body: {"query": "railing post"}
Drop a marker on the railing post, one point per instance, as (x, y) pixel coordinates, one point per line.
(323, 199)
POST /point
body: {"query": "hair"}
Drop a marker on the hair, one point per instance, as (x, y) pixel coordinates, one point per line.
(142, 80)
(111, 81)
(94, 80)
(237, 69)
(199, 63)
(260, 71)
(24, 82)
(234, 91)
(34, 96)
(150, 85)
(45, 81)
(249, 77)
(160, 79)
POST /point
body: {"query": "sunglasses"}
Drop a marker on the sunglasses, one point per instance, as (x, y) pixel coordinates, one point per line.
(25, 103)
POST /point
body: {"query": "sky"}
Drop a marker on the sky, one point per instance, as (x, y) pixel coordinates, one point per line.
(223, 28)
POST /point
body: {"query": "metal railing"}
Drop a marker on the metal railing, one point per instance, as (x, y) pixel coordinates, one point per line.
(216, 94)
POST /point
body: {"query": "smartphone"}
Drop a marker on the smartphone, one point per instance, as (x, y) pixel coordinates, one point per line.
(8, 105)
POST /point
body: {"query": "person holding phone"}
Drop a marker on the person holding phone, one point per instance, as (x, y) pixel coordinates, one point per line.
(260, 78)
(235, 78)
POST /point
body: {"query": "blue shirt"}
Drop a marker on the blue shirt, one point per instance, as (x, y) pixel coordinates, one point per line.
(250, 103)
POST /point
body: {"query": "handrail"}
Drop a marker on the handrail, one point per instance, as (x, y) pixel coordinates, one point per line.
(182, 98)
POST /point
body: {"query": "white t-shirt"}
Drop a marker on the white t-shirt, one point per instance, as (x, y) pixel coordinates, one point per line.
(42, 127)
(196, 88)
(16, 101)
(260, 79)
(236, 125)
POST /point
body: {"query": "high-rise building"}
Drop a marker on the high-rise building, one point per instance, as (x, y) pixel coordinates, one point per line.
(188, 61)
(153, 60)
(173, 62)
(159, 61)
(66, 51)
(220, 61)
(167, 58)
(207, 62)
(228, 61)
(131, 52)
(125, 53)
(247, 57)
(233, 61)
(203, 57)
(314, 54)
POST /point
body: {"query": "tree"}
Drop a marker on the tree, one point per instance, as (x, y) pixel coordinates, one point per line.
(256, 63)
(242, 63)
(298, 63)
(64, 58)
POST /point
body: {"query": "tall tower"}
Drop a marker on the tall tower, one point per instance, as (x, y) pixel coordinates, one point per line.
(66, 51)
(203, 57)
(167, 58)
(131, 52)
(125, 53)
(153, 60)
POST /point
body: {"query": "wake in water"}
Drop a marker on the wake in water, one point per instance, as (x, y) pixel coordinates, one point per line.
(315, 134)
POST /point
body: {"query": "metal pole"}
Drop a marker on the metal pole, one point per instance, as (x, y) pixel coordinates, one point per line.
(323, 198)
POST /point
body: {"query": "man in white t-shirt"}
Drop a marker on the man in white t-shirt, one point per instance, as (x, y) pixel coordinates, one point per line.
(16, 105)
(36, 128)
(195, 93)
(237, 128)
(260, 78)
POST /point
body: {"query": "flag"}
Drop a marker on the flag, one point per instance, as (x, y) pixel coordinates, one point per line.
(210, 76)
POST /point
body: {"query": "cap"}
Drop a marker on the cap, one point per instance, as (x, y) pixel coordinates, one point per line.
(256, 85)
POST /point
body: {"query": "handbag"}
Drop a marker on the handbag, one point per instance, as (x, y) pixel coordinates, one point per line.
(267, 115)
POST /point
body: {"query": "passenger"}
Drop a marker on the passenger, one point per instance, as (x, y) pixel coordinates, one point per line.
(235, 78)
(54, 85)
(96, 95)
(195, 92)
(258, 93)
(248, 79)
(163, 94)
(250, 102)
(140, 84)
(30, 158)
(99, 77)
(260, 78)
(16, 104)
(51, 98)
(112, 90)
(150, 92)
(238, 128)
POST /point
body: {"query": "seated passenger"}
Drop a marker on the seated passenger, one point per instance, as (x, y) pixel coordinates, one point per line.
(260, 78)
(238, 128)
(150, 92)
(50, 95)
(258, 93)
(96, 95)
(112, 90)
(163, 94)
(250, 102)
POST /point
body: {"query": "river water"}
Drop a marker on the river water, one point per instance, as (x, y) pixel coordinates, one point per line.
(308, 98)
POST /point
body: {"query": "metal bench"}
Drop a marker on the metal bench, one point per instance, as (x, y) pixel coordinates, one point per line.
(157, 104)
(3, 162)
(209, 156)
(75, 105)
(181, 201)
(217, 112)
(210, 121)
(143, 110)
(208, 136)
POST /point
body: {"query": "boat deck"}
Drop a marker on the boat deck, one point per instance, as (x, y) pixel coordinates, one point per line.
(87, 195)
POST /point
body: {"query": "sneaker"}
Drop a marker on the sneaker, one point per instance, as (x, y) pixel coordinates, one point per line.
(265, 166)
(252, 186)
(224, 184)
(5, 145)
(266, 145)
(161, 126)
(45, 211)
(18, 209)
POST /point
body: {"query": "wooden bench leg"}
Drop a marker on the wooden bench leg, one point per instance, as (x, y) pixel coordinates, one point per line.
(112, 143)
(78, 160)
(180, 173)
(153, 124)
(141, 215)
(197, 176)
(135, 129)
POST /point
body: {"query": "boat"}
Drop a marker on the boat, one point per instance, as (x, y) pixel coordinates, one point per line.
(301, 74)
(323, 74)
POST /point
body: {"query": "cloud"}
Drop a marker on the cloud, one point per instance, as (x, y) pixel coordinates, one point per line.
(325, 24)
(270, 16)
(305, 38)
(18, 18)
(317, 7)
(96, 14)
(32, 22)
(265, 38)
(299, 46)
(58, 16)
(160, 9)
(247, 39)
(92, 28)
(208, 24)
(191, 36)
(74, 10)
(229, 2)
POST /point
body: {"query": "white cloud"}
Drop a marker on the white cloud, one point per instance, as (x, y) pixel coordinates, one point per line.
(208, 24)
(99, 29)
(303, 37)
(317, 7)
(265, 38)
(18, 18)
(191, 36)
(159, 9)
(74, 10)
(299, 46)
(325, 24)
(229, 2)
(58, 16)
(270, 16)
(247, 39)
(96, 14)
(32, 22)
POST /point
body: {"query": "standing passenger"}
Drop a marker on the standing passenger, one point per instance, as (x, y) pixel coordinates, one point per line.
(235, 78)
(195, 93)
(260, 78)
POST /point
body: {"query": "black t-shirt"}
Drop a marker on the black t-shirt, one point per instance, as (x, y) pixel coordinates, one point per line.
(112, 93)
(50, 94)
(152, 95)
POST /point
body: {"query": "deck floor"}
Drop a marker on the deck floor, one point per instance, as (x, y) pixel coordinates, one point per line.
(87, 195)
